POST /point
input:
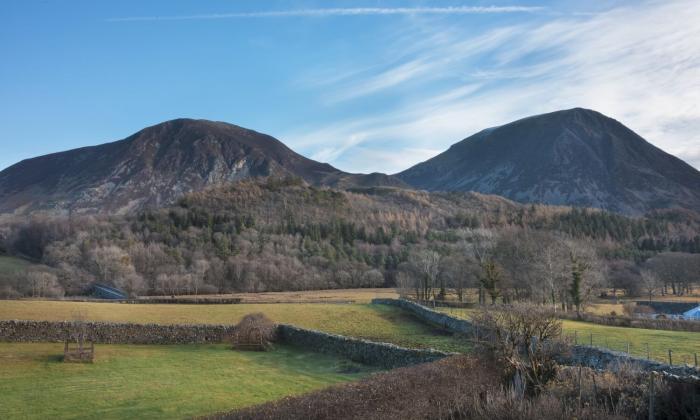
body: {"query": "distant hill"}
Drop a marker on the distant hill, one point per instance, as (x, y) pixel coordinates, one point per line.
(157, 165)
(575, 157)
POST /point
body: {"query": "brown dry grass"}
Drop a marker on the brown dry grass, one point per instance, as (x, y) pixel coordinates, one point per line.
(668, 298)
(469, 387)
(406, 393)
(458, 387)
(308, 296)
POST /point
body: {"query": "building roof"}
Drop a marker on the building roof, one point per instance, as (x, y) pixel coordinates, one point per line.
(107, 292)
(693, 313)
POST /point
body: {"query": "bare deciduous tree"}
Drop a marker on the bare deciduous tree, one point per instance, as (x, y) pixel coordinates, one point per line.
(482, 247)
(43, 284)
(587, 273)
(551, 267)
(650, 282)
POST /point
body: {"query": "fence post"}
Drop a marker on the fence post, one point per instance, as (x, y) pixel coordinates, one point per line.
(628, 348)
(591, 339)
(579, 386)
(670, 360)
(696, 360)
(651, 396)
(648, 353)
(575, 337)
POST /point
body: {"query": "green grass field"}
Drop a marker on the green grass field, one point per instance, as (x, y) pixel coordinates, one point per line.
(684, 344)
(155, 381)
(9, 265)
(373, 322)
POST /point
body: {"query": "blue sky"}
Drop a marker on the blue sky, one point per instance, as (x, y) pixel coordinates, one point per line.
(364, 85)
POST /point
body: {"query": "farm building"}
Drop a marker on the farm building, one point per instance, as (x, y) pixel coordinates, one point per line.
(693, 314)
(102, 291)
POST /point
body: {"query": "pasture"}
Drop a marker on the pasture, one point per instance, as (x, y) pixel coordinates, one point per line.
(157, 381)
(373, 322)
(11, 265)
(306, 296)
(145, 381)
(684, 344)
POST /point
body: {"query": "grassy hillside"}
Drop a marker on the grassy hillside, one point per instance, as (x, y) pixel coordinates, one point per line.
(374, 322)
(155, 381)
(9, 265)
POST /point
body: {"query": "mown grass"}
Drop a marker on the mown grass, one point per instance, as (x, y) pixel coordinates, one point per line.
(156, 381)
(683, 344)
(374, 322)
(605, 308)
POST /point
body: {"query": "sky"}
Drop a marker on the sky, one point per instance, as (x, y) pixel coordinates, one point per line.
(363, 85)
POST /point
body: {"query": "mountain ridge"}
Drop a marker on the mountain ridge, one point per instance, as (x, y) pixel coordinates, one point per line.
(575, 157)
(157, 165)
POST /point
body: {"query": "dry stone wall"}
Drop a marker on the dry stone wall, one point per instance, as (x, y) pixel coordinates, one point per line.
(368, 352)
(594, 357)
(440, 319)
(114, 333)
(599, 358)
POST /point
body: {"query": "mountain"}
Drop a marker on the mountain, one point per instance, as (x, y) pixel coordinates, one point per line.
(575, 157)
(158, 165)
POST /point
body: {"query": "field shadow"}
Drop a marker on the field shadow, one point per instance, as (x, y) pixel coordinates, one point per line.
(53, 358)
(399, 316)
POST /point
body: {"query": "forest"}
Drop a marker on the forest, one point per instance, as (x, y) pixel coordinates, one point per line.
(282, 234)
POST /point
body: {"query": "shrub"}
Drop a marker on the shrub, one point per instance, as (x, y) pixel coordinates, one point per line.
(678, 400)
(524, 341)
(254, 332)
(8, 292)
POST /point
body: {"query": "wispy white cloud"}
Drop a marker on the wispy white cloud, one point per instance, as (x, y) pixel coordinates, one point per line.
(352, 11)
(639, 64)
(428, 58)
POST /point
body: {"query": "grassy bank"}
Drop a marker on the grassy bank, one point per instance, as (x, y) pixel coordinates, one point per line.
(374, 322)
(155, 381)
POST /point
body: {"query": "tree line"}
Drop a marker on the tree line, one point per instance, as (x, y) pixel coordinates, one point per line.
(271, 235)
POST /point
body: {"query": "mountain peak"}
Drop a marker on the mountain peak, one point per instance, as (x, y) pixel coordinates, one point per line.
(574, 157)
(156, 166)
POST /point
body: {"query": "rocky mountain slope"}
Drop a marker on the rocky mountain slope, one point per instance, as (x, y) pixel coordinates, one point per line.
(573, 157)
(156, 166)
